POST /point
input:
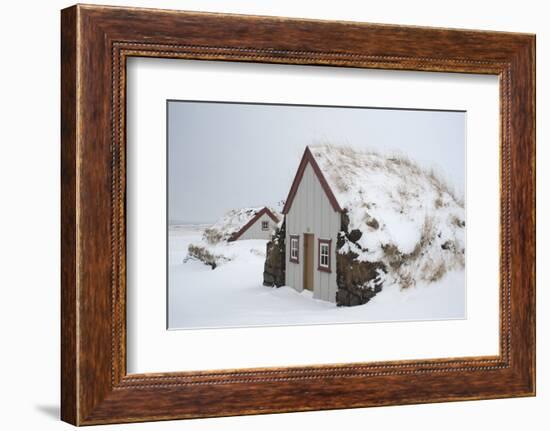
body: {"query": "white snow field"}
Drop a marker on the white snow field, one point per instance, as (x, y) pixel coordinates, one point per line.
(232, 295)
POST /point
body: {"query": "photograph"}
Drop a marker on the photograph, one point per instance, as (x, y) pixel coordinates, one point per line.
(284, 214)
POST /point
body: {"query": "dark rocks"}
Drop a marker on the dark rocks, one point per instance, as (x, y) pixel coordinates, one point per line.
(358, 282)
(356, 295)
(274, 268)
(373, 223)
(269, 279)
(449, 245)
(355, 235)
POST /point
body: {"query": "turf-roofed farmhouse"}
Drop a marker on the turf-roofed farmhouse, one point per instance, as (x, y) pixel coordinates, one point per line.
(242, 224)
(355, 219)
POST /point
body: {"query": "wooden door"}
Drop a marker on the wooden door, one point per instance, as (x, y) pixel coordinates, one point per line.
(308, 261)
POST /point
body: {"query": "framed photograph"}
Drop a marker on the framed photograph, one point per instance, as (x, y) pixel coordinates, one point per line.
(326, 214)
(265, 214)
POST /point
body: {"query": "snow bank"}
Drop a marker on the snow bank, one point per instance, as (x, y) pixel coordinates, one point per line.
(409, 218)
(225, 252)
(233, 294)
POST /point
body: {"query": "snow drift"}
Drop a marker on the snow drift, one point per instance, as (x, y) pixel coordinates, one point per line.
(397, 213)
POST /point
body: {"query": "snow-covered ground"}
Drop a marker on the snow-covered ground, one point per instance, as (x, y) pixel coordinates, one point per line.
(233, 294)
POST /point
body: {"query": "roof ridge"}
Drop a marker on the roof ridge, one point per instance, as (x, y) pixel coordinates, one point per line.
(308, 157)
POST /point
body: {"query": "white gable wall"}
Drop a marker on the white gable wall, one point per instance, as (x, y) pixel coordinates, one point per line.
(255, 231)
(311, 212)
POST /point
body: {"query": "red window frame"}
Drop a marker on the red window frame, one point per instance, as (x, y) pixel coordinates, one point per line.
(327, 242)
(297, 258)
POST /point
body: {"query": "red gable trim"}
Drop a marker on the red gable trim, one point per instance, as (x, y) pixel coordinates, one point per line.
(264, 210)
(308, 158)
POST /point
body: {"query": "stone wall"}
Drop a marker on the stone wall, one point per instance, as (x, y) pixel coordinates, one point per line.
(358, 282)
(274, 268)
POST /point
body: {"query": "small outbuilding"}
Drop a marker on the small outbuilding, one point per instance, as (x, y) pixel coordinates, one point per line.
(244, 223)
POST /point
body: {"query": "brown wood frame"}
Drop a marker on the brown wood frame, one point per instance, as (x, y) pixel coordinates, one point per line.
(95, 42)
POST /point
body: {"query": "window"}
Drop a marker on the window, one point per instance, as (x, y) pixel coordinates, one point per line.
(324, 255)
(265, 225)
(294, 248)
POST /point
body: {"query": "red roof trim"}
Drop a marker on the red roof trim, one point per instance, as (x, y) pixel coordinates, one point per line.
(308, 158)
(264, 210)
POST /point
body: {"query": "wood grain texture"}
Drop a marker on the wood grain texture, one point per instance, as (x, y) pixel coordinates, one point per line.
(96, 41)
(69, 365)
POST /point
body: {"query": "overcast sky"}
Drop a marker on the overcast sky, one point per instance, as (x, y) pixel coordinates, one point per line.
(223, 156)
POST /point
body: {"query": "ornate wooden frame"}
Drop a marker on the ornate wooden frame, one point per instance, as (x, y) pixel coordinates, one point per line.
(96, 41)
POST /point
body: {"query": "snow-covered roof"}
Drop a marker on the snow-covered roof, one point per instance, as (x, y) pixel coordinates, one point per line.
(237, 221)
(398, 206)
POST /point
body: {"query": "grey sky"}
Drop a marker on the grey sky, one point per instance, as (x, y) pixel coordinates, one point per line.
(223, 156)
